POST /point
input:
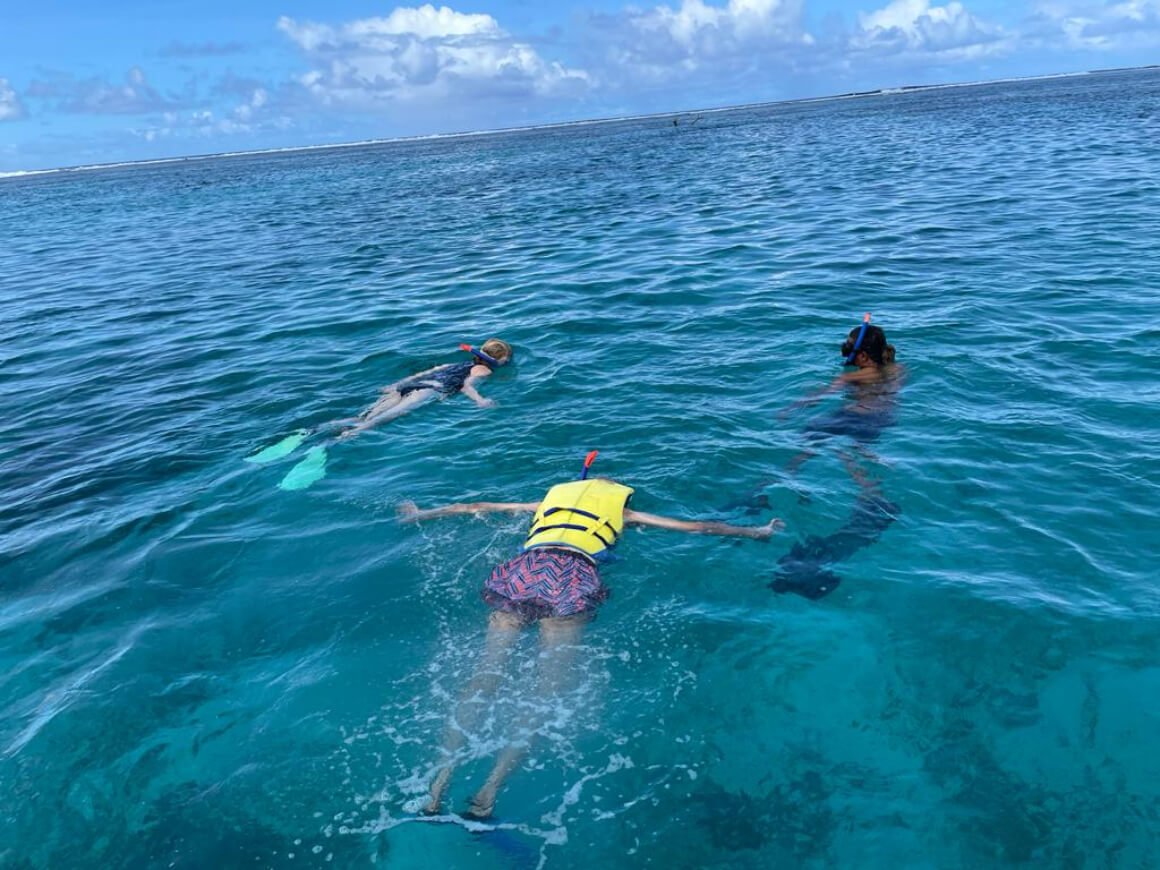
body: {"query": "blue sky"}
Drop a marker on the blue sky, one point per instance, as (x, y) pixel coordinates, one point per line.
(83, 81)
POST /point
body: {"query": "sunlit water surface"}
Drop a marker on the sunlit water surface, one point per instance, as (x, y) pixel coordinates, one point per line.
(199, 669)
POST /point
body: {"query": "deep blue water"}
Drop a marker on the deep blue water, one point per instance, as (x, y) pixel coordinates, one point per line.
(199, 669)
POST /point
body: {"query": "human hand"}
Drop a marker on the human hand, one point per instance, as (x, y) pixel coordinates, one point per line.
(486, 403)
(407, 512)
(769, 529)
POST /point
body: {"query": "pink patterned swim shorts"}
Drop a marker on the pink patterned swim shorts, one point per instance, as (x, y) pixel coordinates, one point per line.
(545, 582)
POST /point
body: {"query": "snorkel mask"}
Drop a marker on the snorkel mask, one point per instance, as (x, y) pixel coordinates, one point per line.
(485, 358)
(850, 349)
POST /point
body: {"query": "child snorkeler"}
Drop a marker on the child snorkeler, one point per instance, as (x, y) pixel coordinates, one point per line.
(555, 582)
(871, 400)
(398, 399)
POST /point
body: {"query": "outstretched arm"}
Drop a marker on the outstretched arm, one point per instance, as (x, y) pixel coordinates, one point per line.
(861, 376)
(409, 512)
(813, 398)
(821, 392)
(471, 392)
(701, 527)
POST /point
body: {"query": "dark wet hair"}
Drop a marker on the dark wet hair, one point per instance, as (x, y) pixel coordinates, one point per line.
(873, 343)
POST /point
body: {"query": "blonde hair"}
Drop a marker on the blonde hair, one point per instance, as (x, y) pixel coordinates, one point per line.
(499, 350)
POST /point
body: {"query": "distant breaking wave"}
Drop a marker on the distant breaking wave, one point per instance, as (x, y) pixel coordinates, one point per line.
(907, 89)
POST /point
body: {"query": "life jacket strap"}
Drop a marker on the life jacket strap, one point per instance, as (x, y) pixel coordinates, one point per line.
(600, 521)
(595, 532)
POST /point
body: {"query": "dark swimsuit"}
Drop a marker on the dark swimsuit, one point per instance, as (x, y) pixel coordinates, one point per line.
(446, 381)
(863, 428)
(872, 411)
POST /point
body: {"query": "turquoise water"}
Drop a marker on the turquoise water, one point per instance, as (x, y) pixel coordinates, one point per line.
(201, 670)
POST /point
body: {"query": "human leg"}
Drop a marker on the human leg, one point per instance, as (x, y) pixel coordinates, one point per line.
(559, 645)
(503, 630)
(389, 398)
(857, 472)
(799, 460)
(389, 408)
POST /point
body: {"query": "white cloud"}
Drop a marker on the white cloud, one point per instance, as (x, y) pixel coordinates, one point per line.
(917, 27)
(1094, 25)
(426, 22)
(96, 96)
(11, 109)
(716, 46)
(738, 20)
(255, 115)
(424, 54)
(246, 111)
(667, 41)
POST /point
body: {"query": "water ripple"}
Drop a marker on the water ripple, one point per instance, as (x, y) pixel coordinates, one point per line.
(187, 648)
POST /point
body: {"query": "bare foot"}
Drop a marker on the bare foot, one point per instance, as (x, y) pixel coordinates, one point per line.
(435, 805)
(482, 805)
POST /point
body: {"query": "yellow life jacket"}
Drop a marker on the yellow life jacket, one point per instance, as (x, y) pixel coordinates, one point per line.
(584, 515)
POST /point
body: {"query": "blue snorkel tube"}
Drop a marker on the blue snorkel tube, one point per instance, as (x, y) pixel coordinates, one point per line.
(858, 342)
(604, 556)
(588, 460)
(485, 358)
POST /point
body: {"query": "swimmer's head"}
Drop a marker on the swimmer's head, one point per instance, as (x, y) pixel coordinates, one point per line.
(500, 351)
(873, 345)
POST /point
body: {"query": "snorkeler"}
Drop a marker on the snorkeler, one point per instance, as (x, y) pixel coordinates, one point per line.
(871, 400)
(439, 382)
(555, 582)
(398, 399)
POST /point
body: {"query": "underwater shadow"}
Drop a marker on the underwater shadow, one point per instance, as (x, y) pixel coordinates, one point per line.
(806, 569)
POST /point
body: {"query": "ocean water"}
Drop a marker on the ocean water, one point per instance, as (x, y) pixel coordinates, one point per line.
(199, 669)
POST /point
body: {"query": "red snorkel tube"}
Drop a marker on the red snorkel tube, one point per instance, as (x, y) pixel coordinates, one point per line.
(588, 460)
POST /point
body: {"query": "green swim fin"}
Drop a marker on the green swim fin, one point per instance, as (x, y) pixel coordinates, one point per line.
(307, 472)
(283, 448)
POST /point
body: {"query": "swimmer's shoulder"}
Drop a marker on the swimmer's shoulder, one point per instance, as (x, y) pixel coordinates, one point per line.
(862, 376)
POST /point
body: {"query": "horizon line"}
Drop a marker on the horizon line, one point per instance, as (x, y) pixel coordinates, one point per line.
(495, 131)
